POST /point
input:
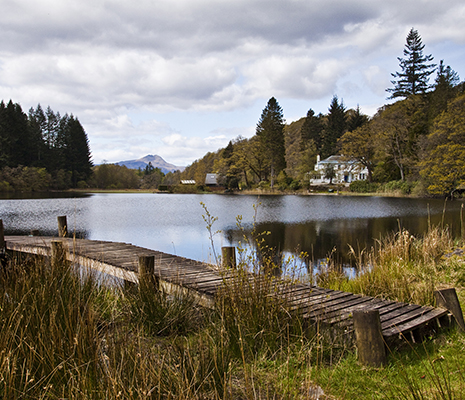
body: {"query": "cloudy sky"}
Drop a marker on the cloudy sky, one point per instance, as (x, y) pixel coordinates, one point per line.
(179, 78)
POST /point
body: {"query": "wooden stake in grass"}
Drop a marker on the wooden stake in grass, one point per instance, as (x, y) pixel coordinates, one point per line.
(2, 238)
(228, 256)
(2, 245)
(447, 298)
(147, 278)
(369, 338)
(62, 226)
(58, 252)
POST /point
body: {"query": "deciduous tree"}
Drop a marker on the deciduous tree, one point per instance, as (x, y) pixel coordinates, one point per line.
(443, 168)
(360, 144)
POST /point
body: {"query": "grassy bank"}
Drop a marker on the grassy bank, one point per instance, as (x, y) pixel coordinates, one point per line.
(65, 335)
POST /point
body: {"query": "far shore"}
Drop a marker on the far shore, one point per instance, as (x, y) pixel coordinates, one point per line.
(257, 192)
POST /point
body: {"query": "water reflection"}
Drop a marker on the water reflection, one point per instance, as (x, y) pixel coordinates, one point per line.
(335, 237)
(174, 224)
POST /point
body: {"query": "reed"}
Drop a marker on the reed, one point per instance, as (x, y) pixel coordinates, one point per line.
(68, 335)
(400, 267)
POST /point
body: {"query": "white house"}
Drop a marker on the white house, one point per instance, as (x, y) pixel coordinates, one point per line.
(345, 171)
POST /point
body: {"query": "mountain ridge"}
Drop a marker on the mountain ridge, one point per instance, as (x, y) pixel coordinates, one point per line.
(156, 160)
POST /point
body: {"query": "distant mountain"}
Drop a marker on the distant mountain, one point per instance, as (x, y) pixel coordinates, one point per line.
(156, 161)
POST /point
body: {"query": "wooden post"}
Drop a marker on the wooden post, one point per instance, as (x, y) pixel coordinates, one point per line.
(369, 338)
(2, 238)
(2, 246)
(58, 253)
(447, 298)
(147, 278)
(62, 226)
(228, 256)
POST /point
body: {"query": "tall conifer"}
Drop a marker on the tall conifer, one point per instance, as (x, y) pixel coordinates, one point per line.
(270, 130)
(415, 70)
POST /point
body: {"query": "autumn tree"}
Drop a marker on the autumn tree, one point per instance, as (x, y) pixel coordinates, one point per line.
(113, 176)
(361, 145)
(443, 167)
(311, 132)
(241, 160)
(391, 127)
(415, 69)
(270, 131)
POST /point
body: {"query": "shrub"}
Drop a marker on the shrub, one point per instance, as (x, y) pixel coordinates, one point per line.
(295, 185)
(363, 187)
(403, 187)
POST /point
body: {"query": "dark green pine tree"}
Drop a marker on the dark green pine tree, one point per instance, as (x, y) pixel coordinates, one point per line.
(311, 130)
(76, 151)
(335, 128)
(17, 146)
(415, 70)
(446, 77)
(270, 131)
(356, 119)
(445, 89)
(37, 121)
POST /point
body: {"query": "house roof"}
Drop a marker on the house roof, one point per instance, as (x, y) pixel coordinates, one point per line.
(211, 179)
(337, 160)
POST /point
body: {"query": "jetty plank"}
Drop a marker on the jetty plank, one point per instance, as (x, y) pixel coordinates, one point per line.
(330, 307)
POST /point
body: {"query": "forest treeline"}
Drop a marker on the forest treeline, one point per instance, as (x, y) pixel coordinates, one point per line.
(416, 143)
(42, 150)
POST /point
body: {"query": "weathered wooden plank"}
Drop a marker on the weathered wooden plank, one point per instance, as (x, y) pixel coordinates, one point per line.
(318, 299)
(329, 311)
(339, 316)
(398, 313)
(405, 317)
(421, 320)
(326, 306)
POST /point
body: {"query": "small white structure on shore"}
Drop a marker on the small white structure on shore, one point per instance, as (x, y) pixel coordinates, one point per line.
(337, 170)
(211, 180)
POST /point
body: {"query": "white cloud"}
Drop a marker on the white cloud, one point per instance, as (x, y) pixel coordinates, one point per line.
(130, 72)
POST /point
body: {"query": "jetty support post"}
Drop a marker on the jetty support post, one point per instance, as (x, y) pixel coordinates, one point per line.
(369, 338)
(447, 298)
(2, 245)
(2, 238)
(58, 253)
(62, 226)
(147, 278)
(228, 256)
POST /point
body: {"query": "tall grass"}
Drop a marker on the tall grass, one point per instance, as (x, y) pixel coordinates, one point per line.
(400, 267)
(49, 330)
(67, 335)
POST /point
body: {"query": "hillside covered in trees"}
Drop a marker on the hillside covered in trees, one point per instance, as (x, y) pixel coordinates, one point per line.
(41, 150)
(417, 142)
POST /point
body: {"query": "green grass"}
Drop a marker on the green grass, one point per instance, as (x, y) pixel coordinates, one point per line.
(65, 335)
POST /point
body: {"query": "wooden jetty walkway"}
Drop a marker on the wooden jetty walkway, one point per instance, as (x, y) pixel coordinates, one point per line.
(329, 308)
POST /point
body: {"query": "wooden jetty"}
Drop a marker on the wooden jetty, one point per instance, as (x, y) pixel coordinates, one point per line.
(330, 308)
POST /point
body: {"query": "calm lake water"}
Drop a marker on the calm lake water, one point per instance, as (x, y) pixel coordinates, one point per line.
(174, 223)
